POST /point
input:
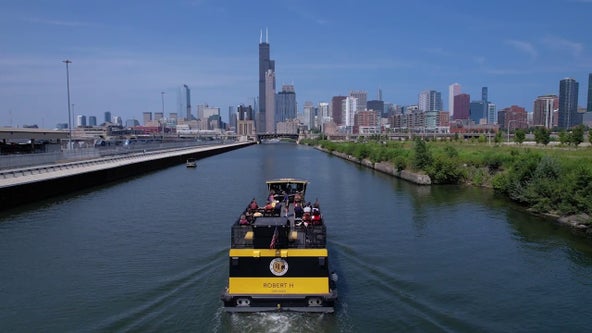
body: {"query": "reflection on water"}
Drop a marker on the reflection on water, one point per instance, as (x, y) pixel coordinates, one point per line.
(150, 254)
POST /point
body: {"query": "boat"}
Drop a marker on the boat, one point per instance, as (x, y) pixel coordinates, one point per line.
(278, 258)
(191, 163)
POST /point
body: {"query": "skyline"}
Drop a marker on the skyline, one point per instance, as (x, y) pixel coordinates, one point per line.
(125, 54)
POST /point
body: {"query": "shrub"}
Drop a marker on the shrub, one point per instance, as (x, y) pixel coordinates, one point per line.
(423, 157)
(444, 170)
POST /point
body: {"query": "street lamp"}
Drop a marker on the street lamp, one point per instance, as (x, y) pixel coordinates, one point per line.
(509, 122)
(67, 62)
(162, 119)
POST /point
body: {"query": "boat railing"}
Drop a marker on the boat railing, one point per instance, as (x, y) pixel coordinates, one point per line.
(311, 236)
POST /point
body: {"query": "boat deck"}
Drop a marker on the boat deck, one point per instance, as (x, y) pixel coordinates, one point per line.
(293, 231)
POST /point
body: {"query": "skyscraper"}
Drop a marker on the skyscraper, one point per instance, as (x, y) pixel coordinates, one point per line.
(265, 65)
(568, 104)
(270, 101)
(430, 100)
(285, 103)
(362, 100)
(453, 90)
(184, 101)
(461, 106)
(589, 108)
(544, 106)
(337, 109)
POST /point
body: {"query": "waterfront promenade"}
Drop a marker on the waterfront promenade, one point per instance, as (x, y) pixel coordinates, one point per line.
(23, 185)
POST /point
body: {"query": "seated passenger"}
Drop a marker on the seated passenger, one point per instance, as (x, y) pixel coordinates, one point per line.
(253, 205)
(297, 197)
(316, 217)
(243, 220)
(298, 211)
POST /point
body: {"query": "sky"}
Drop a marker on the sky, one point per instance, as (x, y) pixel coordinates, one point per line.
(126, 53)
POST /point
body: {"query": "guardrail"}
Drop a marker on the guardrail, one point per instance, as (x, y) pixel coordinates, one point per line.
(35, 159)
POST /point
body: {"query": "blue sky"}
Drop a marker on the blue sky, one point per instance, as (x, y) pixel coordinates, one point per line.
(125, 53)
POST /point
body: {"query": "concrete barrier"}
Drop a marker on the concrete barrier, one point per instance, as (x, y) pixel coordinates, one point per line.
(32, 185)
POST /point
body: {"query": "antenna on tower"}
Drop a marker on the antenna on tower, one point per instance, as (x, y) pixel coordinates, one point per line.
(266, 36)
(260, 36)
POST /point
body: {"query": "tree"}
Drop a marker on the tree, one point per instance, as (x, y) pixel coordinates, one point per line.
(563, 137)
(519, 136)
(577, 135)
(498, 137)
(542, 135)
(423, 157)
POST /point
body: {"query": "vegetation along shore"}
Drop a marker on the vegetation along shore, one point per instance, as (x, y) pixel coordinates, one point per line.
(553, 181)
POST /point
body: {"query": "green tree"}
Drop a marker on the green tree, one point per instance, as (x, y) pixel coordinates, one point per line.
(577, 135)
(519, 136)
(498, 137)
(423, 157)
(542, 135)
(563, 137)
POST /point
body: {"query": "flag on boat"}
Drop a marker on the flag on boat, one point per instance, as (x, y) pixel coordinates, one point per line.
(274, 238)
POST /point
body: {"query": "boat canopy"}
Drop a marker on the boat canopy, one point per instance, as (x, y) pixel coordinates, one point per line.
(289, 185)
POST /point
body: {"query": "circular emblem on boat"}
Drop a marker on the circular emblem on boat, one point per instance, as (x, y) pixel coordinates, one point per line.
(278, 266)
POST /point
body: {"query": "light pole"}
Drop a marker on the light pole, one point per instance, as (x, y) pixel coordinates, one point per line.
(162, 98)
(67, 62)
(509, 122)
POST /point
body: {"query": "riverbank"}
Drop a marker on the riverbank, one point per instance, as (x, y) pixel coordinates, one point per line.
(578, 223)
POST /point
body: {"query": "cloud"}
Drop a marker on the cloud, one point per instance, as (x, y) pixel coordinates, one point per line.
(524, 47)
(55, 22)
(563, 44)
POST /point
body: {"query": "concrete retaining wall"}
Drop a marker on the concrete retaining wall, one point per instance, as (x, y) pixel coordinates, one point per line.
(385, 167)
(26, 192)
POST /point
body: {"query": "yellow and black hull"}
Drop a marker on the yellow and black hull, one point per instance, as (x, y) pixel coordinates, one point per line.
(279, 280)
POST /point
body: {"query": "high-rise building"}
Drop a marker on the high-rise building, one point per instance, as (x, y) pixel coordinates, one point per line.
(568, 104)
(265, 66)
(491, 113)
(362, 99)
(80, 121)
(589, 108)
(270, 102)
(376, 105)
(308, 114)
(92, 121)
(453, 90)
(323, 115)
(337, 109)
(430, 100)
(285, 104)
(184, 101)
(146, 118)
(544, 107)
(513, 117)
(476, 111)
(461, 107)
(108, 117)
(349, 107)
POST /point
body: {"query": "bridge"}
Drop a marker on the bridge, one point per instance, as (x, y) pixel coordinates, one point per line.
(265, 136)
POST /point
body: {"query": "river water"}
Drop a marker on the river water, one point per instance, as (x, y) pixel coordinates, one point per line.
(149, 254)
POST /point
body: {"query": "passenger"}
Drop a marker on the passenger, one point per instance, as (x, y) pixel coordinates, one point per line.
(271, 196)
(298, 197)
(316, 204)
(298, 211)
(307, 208)
(253, 205)
(243, 220)
(316, 217)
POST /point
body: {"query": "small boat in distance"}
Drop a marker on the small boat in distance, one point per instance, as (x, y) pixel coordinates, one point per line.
(278, 258)
(191, 163)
